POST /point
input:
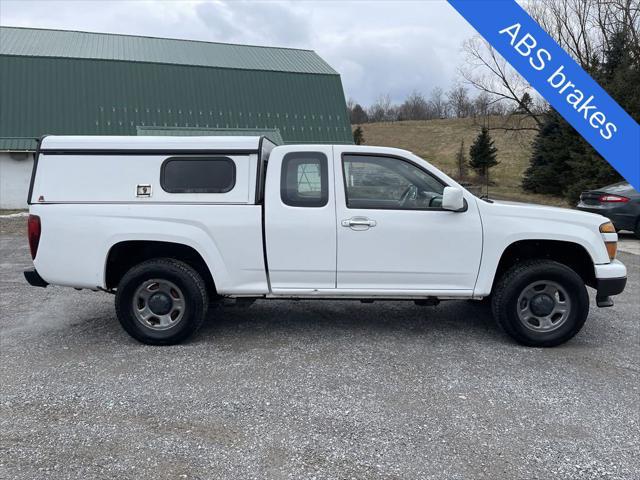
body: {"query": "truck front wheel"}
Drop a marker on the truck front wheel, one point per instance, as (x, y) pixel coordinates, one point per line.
(161, 301)
(540, 303)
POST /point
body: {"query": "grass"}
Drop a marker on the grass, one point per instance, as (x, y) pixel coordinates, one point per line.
(438, 141)
(4, 211)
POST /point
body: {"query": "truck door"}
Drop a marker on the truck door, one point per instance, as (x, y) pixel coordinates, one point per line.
(300, 219)
(392, 233)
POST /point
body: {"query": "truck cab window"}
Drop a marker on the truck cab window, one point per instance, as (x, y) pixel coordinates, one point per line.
(379, 182)
(304, 179)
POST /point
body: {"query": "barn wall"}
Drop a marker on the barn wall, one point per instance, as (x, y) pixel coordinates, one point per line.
(66, 96)
(15, 174)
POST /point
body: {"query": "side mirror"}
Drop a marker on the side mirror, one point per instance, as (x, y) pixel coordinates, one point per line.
(453, 200)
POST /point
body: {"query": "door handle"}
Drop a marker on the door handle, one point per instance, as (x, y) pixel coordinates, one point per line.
(358, 223)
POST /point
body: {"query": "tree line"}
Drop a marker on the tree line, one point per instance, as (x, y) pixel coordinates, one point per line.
(456, 102)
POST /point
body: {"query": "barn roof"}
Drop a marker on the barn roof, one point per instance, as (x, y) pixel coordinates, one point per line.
(32, 42)
(77, 83)
(17, 144)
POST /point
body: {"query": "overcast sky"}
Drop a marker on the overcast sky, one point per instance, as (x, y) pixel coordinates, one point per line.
(378, 47)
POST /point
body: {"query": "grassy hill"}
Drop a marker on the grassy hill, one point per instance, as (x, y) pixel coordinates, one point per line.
(437, 141)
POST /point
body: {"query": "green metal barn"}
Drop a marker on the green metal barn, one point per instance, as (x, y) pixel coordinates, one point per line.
(68, 82)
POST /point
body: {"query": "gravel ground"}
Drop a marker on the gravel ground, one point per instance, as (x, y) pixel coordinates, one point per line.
(311, 390)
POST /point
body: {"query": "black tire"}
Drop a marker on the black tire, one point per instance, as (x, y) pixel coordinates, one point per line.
(517, 280)
(637, 230)
(192, 298)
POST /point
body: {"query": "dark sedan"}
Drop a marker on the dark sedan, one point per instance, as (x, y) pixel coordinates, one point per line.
(619, 202)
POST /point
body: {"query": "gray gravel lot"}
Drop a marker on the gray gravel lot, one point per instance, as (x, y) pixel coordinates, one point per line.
(311, 390)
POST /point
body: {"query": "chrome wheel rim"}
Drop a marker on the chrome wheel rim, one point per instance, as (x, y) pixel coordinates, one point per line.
(543, 306)
(158, 304)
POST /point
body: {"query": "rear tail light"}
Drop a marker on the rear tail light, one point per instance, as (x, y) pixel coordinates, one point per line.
(33, 232)
(612, 199)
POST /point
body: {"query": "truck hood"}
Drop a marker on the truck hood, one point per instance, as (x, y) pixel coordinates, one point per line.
(543, 212)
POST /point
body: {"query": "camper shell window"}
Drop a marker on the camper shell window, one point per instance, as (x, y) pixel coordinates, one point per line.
(198, 175)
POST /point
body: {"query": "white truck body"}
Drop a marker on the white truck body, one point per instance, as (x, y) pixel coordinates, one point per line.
(89, 204)
(93, 194)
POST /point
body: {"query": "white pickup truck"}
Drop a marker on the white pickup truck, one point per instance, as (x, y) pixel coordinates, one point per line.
(170, 224)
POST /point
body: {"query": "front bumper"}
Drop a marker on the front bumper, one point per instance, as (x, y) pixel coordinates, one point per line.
(611, 279)
(33, 277)
(613, 269)
(610, 286)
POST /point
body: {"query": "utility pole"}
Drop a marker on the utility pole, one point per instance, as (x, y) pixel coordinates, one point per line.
(486, 176)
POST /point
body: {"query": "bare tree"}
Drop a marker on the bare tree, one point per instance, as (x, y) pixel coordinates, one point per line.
(461, 161)
(584, 28)
(381, 110)
(487, 71)
(482, 104)
(567, 21)
(458, 101)
(438, 102)
(620, 16)
(415, 107)
(497, 108)
(350, 104)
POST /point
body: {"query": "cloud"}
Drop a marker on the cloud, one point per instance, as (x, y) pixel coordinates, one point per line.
(395, 61)
(380, 47)
(255, 22)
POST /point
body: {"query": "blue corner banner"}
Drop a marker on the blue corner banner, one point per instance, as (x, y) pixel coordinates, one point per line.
(559, 79)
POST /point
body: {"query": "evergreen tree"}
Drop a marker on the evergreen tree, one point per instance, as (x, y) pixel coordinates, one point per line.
(358, 115)
(358, 136)
(588, 171)
(619, 75)
(483, 154)
(461, 161)
(562, 162)
(525, 104)
(549, 164)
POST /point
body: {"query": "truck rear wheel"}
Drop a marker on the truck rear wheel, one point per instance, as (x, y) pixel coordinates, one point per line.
(161, 301)
(540, 303)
